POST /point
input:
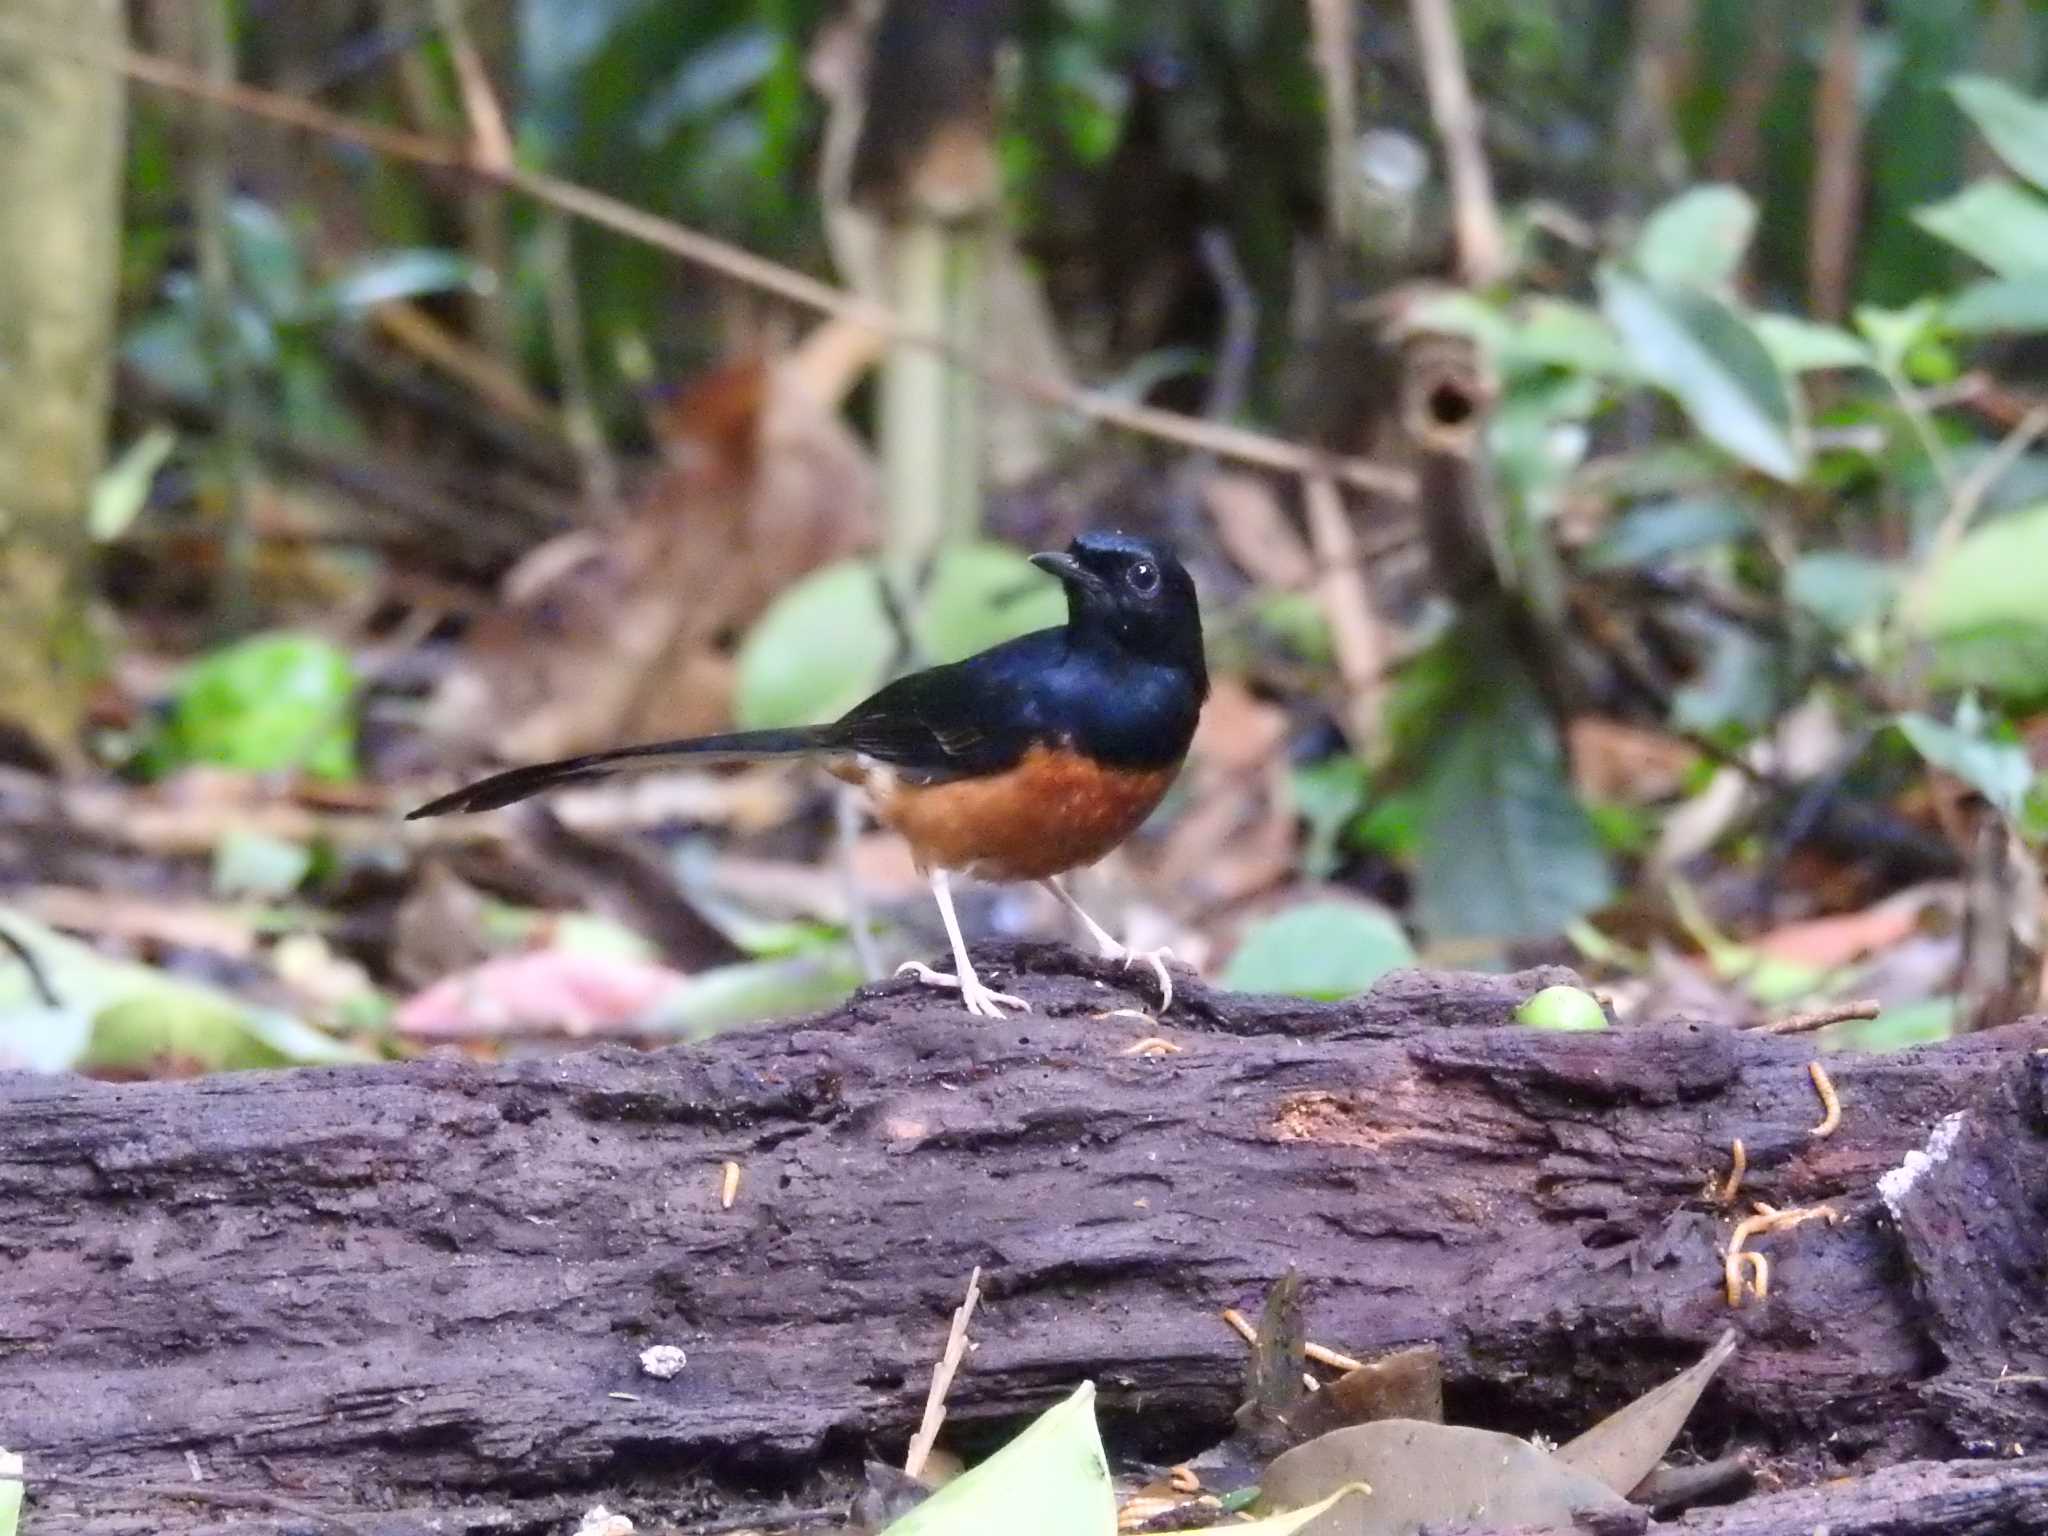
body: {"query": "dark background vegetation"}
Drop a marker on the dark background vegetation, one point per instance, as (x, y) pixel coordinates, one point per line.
(1633, 558)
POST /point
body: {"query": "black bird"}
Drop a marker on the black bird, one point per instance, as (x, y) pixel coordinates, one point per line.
(1032, 758)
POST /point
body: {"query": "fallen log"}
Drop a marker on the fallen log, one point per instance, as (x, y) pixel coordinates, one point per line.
(420, 1293)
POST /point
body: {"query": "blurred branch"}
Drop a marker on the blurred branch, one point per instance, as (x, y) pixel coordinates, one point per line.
(718, 256)
(1837, 169)
(1482, 250)
(1331, 23)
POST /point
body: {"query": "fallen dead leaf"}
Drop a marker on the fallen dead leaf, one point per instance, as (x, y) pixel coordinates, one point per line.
(547, 991)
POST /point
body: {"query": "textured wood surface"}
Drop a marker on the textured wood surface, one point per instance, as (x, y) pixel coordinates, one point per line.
(424, 1288)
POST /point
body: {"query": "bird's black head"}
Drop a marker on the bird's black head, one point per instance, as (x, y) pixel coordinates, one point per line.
(1134, 595)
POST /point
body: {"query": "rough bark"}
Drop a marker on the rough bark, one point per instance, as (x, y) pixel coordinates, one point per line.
(422, 1290)
(60, 221)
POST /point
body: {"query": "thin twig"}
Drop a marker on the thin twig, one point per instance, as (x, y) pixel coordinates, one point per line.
(1238, 443)
(1357, 635)
(942, 1380)
(37, 976)
(1820, 1018)
(1482, 252)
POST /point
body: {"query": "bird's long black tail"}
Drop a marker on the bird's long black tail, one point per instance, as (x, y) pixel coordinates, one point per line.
(517, 784)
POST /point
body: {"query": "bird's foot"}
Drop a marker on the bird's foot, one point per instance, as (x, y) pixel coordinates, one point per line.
(978, 998)
(1156, 958)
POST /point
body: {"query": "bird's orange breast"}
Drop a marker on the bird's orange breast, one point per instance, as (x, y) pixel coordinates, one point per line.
(1054, 811)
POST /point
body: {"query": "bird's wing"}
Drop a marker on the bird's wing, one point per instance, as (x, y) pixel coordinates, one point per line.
(971, 717)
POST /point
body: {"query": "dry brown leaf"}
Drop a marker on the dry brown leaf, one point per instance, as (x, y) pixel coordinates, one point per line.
(1614, 761)
(1829, 943)
(629, 638)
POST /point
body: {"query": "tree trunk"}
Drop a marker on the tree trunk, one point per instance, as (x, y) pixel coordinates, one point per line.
(420, 1293)
(60, 222)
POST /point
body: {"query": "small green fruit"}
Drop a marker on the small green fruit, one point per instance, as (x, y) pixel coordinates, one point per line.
(1564, 1008)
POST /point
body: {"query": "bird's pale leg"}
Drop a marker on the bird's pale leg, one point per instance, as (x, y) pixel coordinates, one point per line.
(979, 999)
(1112, 949)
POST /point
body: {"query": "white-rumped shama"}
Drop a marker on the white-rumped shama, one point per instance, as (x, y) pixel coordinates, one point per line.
(1029, 759)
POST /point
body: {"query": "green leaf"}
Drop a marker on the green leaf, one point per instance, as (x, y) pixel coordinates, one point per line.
(10, 1492)
(1991, 577)
(822, 647)
(1506, 851)
(1697, 239)
(139, 1016)
(1657, 530)
(1704, 354)
(1326, 796)
(1896, 1029)
(404, 274)
(1546, 332)
(122, 490)
(1052, 1477)
(1320, 949)
(271, 702)
(980, 595)
(251, 864)
(2013, 125)
(2000, 304)
(1893, 333)
(752, 991)
(266, 258)
(2000, 771)
(1844, 591)
(1806, 346)
(1999, 223)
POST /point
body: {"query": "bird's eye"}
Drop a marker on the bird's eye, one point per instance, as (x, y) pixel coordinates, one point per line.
(1144, 578)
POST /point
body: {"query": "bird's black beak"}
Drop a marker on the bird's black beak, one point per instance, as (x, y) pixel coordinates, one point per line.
(1073, 575)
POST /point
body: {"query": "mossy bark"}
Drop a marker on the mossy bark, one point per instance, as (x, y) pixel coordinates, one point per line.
(60, 180)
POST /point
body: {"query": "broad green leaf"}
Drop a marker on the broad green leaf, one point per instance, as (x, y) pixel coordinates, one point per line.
(1051, 1478)
(406, 274)
(1701, 351)
(252, 864)
(1320, 949)
(1895, 1029)
(266, 258)
(1505, 850)
(822, 647)
(122, 490)
(1327, 796)
(138, 1016)
(2014, 125)
(1806, 346)
(1546, 332)
(1893, 333)
(2000, 771)
(1999, 223)
(10, 1492)
(1991, 578)
(752, 991)
(1697, 239)
(274, 701)
(2000, 304)
(980, 595)
(1658, 530)
(1843, 590)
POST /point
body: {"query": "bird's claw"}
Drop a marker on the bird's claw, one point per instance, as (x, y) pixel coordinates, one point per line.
(978, 999)
(1156, 958)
